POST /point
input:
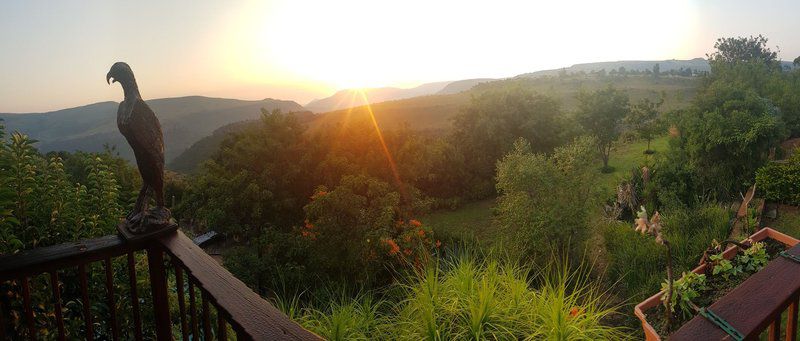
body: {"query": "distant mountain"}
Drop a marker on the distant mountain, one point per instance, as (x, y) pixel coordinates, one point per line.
(184, 121)
(462, 85)
(697, 64)
(349, 98)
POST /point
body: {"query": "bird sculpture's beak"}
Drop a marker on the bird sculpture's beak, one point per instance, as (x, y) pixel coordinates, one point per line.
(109, 78)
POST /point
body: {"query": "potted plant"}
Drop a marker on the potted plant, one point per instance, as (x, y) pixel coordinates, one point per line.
(718, 273)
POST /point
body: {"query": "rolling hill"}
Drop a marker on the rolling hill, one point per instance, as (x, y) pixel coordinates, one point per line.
(434, 113)
(184, 121)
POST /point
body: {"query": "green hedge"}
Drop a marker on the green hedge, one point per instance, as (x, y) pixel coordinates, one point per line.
(780, 181)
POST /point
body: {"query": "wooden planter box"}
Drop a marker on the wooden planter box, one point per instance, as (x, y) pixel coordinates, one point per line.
(641, 309)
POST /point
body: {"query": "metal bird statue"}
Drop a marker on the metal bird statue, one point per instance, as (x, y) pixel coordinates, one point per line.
(140, 126)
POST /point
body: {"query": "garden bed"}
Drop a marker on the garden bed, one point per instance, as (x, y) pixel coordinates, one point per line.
(651, 311)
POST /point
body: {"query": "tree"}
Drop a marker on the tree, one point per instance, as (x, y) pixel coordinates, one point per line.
(656, 70)
(544, 200)
(600, 113)
(487, 128)
(644, 118)
(727, 135)
(743, 50)
(796, 62)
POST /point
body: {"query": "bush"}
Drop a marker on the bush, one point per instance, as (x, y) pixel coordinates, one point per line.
(545, 199)
(640, 263)
(469, 298)
(780, 181)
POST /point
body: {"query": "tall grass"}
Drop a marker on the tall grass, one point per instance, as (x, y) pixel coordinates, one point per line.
(468, 297)
(640, 262)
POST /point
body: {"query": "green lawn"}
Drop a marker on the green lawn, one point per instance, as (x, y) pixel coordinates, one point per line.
(788, 222)
(471, 222)
(625, 157)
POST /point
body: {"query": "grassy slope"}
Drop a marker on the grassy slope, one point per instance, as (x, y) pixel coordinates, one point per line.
(435, 112)
(473, 220)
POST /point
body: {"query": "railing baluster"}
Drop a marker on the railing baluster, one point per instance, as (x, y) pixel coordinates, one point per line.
(206, 317)
(3, 319)
(181, 303)
(791, 321)
(112, 307)
(775, 329)
(192, 309)
(158, 286)
(57, 304)
(87, 309)
(26, 299)
(137, 318)
(222, 327)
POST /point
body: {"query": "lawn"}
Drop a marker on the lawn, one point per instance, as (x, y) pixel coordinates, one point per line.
(625, 157)
(787, 221)
(471, 222)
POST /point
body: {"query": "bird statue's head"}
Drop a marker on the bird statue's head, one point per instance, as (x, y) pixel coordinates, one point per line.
(120, 72)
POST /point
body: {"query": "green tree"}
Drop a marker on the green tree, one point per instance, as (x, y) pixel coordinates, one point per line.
(727, 135)
(644, 118)
(600, 114)
(487, 128)
(732, 51)
(545, 200)
(656, 70)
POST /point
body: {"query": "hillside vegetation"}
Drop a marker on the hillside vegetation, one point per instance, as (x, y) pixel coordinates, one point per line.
(184, 121)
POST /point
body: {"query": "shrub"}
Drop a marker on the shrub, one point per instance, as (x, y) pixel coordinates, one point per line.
(640, 263)
(781, 181)
(545, 199)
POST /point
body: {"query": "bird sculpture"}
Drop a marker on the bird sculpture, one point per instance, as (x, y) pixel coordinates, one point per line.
(140, 126)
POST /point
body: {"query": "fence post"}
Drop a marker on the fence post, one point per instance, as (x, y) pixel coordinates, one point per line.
(158, 286)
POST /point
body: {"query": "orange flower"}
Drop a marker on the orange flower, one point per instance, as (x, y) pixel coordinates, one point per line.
(574, 312)
(393, 247)
(421, 233)
(415, 223)
(438, 243)
(407, 252)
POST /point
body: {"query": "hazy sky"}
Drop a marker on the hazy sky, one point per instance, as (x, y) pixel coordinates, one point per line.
(55, 54)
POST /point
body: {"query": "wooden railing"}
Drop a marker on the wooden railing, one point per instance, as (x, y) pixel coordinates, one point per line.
(211, 290)
(758, 304)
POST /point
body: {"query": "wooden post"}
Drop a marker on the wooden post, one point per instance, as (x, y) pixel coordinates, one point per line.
(791, 321)
(158, 286)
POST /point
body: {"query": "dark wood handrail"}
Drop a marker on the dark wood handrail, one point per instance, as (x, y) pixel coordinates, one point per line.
(247, 311)
(250, 316)
(50, 258)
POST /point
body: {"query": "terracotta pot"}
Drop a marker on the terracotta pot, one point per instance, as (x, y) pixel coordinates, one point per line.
(641, 309)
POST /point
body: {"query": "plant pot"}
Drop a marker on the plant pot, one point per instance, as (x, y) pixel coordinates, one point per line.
(641, 309)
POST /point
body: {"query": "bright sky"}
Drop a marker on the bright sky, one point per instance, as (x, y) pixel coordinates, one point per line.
(55, 54)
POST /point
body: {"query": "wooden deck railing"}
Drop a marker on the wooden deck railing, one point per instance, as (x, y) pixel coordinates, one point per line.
(211, 290)
(756, 305)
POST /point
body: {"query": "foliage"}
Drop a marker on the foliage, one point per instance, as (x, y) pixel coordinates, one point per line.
(345, 318)
(600, 114)
(357, 228)
(754, 258)
(467, 298)
(487, 129)
(639, 262)
(724, 267)
(644, 119)
(684, 290)
(780, 181)
(727, 135)
(545, 200)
